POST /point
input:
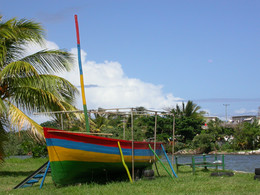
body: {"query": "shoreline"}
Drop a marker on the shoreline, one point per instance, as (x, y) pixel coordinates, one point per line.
(192, 152)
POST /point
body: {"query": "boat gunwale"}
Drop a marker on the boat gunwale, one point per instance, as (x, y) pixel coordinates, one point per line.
(53, 131)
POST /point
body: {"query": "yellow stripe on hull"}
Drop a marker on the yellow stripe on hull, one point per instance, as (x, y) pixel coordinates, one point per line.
(57, 153)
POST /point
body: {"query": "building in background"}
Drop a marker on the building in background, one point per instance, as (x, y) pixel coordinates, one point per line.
(243, 118)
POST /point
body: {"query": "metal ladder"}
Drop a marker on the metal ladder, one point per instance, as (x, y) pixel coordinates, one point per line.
(35, 177)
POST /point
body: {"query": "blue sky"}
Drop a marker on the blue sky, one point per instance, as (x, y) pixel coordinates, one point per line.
(201, 50)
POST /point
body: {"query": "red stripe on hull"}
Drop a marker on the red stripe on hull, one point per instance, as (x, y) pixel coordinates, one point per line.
(109, 142)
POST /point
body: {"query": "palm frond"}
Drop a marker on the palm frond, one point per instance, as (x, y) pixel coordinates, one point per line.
(59, 87)
(28, 30)
(50, 61)
(21, 31)
(15, 33)
(18, 69)
(36, 100)
(21, 120)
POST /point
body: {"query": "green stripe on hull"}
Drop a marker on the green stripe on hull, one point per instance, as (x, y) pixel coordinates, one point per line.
(71, 172)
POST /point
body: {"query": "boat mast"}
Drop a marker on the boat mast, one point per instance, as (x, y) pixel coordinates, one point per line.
(81, 76)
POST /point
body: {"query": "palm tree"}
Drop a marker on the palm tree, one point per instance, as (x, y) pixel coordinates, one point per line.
(27, 83)
(188, 120)
(192, 109)
(189, 109)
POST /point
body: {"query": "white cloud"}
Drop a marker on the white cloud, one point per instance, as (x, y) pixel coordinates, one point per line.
(115, 89)
(112, 87)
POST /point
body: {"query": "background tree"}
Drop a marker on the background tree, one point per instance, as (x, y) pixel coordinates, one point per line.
(216, 129)
(27, 83)
(203, 143)
(247, 136)
(188, 120)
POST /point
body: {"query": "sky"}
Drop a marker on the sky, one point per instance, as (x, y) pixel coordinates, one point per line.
(155, 53)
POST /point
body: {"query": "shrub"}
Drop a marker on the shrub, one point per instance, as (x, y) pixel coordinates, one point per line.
(22, 144)
(203, 143)
(226, 146)
(37, 150)
(179, 146)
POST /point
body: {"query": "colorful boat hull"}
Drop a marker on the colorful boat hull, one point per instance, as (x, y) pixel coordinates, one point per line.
(78, 157)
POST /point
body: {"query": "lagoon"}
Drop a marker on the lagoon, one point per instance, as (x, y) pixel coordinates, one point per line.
(245, 163)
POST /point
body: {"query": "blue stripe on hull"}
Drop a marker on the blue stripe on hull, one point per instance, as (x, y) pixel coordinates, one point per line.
(98, 148)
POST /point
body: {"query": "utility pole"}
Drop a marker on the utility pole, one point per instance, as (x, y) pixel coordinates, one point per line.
(226, 105)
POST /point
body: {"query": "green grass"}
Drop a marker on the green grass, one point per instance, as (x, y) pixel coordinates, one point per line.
(14, 171)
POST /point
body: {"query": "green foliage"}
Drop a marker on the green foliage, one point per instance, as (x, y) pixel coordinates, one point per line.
(188, 127)
(247, 136)
(13, 146)
(188, 121)
(143, 126)
(204, 143)
(20, 143)
(50, 124)
(179, 146)
(37, 150)
(227, 146)
(218, 130)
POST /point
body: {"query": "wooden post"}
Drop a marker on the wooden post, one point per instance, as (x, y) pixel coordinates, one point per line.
(133, 160)
(155, 128)
(124, 121)
(61, 121)
(173, 139)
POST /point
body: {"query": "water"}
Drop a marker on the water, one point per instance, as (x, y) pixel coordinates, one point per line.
(20, 156)
(246, 163)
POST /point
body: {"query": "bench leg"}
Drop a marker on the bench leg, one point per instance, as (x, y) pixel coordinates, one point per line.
(193, 165)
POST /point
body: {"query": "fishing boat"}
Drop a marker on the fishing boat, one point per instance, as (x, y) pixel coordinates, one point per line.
(82, 157)
(79, 157)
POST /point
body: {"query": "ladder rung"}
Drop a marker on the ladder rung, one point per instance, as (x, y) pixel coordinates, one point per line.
(26, 185)
(38, 176)
(32, 181)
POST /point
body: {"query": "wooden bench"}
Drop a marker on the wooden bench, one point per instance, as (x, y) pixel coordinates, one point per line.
(201, 161)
